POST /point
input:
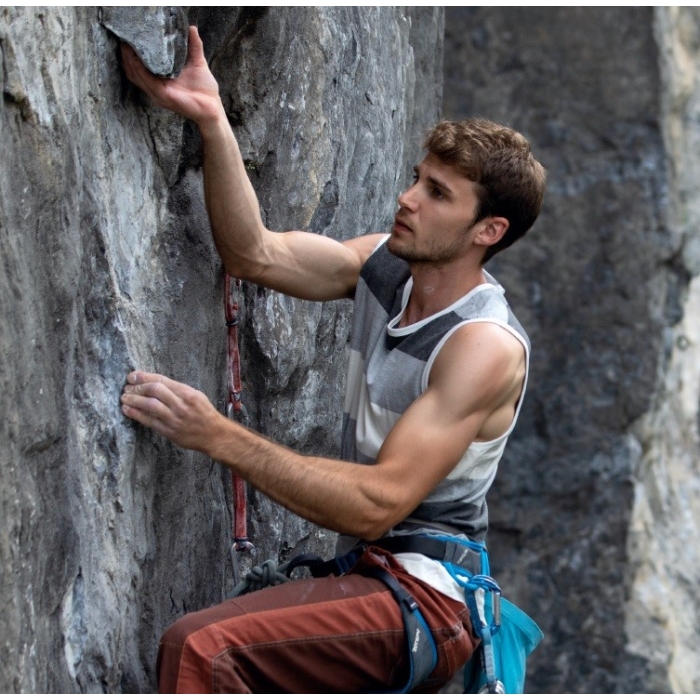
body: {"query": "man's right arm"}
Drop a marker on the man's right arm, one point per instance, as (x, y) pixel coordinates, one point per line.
(304, 265)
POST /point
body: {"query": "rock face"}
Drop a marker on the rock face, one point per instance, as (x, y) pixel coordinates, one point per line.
(596, 510)
(108, 533)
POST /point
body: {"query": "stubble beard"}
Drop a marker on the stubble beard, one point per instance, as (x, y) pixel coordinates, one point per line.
(434, 253)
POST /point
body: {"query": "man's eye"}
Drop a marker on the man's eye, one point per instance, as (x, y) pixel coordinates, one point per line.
(436, 193)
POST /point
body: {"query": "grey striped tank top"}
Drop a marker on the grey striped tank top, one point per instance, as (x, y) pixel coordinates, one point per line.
(388, 369)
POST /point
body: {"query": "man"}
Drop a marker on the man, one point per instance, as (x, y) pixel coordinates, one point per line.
(438, 367)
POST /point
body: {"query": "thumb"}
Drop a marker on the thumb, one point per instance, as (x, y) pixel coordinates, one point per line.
(195, 48)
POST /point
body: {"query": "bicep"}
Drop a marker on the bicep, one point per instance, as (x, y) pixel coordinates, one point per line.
(314, 267)
(435, 432)
(422, 449)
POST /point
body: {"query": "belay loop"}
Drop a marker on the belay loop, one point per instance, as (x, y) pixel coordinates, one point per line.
(235, 410)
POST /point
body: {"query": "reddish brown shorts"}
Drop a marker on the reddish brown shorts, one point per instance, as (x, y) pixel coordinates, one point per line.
(336, 635)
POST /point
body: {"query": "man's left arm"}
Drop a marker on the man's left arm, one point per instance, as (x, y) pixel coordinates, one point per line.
(473, 389)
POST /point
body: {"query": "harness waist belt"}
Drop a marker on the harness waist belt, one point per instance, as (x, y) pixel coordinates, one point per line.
(451, 551)
(442, 550)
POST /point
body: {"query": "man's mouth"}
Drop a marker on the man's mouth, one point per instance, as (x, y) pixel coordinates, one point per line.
(400, 225)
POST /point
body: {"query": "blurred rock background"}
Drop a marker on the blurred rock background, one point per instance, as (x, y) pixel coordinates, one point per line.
(595, 516)
(108, 534)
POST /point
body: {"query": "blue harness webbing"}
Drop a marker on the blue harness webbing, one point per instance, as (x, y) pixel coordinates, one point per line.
(484, 629)
(422, 652)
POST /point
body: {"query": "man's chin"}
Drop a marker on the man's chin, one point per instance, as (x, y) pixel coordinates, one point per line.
(402, 250)
(394, 246)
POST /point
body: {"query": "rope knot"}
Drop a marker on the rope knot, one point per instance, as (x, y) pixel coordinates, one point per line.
(259, 577)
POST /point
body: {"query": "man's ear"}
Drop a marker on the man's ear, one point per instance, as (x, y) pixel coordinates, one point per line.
(492, 229)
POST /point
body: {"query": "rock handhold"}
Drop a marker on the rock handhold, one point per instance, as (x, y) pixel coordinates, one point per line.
(157, 34)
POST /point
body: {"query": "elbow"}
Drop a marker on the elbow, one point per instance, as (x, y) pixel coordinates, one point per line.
(382, 500)
(374, 533)
(249, 265)
(236, 270)
(376, 530)
(367, 531)
(378, 519)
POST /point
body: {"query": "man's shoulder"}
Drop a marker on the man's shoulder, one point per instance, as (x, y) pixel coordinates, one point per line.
(365, 246)
(489, 337)
(479, 375)
(492, 305)
(481, 352)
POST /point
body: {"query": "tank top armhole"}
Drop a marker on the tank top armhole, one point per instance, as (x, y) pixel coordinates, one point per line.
(513, 332)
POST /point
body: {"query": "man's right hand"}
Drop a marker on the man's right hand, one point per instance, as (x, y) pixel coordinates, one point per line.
(193, 94)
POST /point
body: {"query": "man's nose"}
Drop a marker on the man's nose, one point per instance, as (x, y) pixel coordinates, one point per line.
(407, 199)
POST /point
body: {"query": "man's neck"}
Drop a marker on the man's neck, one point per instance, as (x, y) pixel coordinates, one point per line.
(437, 287)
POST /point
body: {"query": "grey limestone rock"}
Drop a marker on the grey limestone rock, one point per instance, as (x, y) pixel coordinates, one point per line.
(157, 34)
(108, 533)
(595, 512)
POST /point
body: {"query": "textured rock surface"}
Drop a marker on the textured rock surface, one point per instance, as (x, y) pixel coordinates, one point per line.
(108, 534)
(596, 511)
(157, 34)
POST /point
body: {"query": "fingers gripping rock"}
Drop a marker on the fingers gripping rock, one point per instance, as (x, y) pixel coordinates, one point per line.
(157, 34)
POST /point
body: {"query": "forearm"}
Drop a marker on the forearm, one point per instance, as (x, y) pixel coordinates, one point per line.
(341, 496)
(231, 202)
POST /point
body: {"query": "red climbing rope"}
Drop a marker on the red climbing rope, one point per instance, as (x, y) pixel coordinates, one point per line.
(235, 410)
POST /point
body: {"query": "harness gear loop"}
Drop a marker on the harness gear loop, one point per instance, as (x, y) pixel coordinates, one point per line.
(235, 410)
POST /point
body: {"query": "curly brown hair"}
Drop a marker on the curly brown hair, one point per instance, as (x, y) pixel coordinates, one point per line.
(510, 181)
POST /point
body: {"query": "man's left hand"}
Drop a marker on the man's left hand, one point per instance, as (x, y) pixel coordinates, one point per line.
(174, 410)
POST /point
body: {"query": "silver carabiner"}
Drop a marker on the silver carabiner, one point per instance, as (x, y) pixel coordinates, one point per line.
(238, 549)
(241, 415)
(496, 603)
(498, 689)
(235, 565)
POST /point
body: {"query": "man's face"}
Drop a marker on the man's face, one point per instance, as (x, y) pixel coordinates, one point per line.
(436, 215)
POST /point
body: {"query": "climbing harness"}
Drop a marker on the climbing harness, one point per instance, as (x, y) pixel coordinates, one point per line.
(422, 651)
(235, 410)
(476, 587)
(497, 666)
(421, 645)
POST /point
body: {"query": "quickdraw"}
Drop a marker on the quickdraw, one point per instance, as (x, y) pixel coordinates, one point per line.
(235, 410)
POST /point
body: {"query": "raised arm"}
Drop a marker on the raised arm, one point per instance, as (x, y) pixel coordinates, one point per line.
(302, 264)
(465, 401)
